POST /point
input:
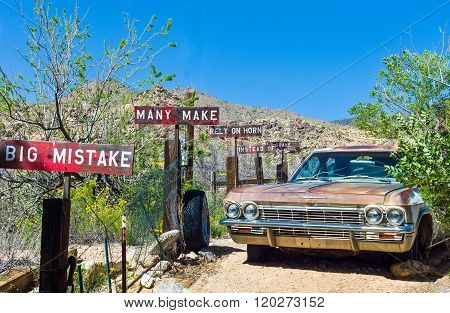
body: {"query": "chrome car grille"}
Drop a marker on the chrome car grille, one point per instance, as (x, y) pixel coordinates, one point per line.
(313, 215)
(327, 215)
(314, 233)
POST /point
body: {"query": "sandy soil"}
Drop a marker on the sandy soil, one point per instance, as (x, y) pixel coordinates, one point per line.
(297, 273)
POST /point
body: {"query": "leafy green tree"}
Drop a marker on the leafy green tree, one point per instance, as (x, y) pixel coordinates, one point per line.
(79, 96)
(412, 105)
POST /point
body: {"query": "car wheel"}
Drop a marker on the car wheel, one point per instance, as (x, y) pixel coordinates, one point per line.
(256, 253)
(195, 217)
(421, 246)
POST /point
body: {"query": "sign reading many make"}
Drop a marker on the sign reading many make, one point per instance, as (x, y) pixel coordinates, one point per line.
(68, 157)
(235, 131)
(176, 115)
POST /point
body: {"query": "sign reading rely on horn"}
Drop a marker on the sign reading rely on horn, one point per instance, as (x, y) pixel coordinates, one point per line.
(69, 157)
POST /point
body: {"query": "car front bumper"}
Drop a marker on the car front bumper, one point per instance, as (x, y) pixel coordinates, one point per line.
(350, 243)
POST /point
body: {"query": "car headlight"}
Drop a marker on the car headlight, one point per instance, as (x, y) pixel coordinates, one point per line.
(251, 211)
(395, 215)
(374, 214)
(232, 210)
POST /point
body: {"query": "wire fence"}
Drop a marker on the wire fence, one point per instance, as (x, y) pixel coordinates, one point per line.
(96, 215)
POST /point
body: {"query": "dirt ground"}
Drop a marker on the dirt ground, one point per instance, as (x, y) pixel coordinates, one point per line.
(298, 273)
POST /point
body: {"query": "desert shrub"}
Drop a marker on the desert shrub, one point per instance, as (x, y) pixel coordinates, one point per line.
(411, 103)
(94, 213)
(215, 201)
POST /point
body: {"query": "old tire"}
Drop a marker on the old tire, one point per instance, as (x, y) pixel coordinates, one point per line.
(256, 253)
(422, 243)
(196, 226)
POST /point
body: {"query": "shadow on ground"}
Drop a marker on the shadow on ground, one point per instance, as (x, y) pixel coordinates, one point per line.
(438, 263)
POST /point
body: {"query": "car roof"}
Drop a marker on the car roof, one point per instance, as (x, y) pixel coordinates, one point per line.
(368, 148)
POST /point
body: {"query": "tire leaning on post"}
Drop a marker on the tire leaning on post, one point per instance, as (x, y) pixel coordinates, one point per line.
(195, 218)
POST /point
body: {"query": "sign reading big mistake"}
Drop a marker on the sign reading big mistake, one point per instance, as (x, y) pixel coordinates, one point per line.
(67, 157)
(176, 115)
(235, 131)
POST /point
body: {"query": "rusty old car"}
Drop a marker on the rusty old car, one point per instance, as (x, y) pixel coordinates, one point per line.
(340, 198)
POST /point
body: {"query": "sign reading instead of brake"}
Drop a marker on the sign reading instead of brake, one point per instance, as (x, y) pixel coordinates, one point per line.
(176, 115)
(70, 157)
(270, 147)
(236, 131)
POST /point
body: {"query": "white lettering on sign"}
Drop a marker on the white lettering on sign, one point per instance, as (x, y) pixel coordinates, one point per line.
(125, 158)
(32, 154)
(176, 115)
(79, 157)
(59, 157)
(66, 157)
(186, 115)
(10, 153)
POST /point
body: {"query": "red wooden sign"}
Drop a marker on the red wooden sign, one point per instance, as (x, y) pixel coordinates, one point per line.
(270, 147)
(67, 157)
(176, 115)
(236, 131)
(289, 147)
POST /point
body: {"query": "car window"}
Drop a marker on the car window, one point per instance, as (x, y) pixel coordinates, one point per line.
(336, 165)
(311, 167)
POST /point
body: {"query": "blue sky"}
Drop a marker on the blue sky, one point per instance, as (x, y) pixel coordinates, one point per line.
(262, 53)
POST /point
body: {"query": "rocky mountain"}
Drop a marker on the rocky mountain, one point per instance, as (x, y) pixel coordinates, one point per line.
(279, 125)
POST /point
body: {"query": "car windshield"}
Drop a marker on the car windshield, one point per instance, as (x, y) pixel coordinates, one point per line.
(346, 165)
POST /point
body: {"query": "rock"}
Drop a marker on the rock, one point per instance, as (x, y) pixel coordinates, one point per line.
(147, 281)
(191, 256)
(87, 265)
(165, 242)
(208, 255)
(410, 269)
(169, 286)
(162, 266)
(181, 256)
(147, 261)
(156, 273)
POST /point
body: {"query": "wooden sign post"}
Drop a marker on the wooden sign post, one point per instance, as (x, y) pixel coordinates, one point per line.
(236, 132)
(164, 115)
(259, 169)
(273, 147)
(65, 157)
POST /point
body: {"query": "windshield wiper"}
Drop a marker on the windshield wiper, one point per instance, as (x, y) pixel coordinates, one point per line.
(312, 178)
(365, 177)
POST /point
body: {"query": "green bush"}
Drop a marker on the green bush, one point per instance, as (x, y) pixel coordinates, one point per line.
(215, 201)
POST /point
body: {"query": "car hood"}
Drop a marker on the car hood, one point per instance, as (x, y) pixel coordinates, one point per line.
(318, 191)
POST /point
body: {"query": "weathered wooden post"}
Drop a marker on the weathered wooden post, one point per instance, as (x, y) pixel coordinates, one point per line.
(259, 169)
(66, 158)
(170, 218)
(155, 115)
(231, 173)
(54, 245)
(55, 241)
(282, 168)
(235, 132)
(190, 133)
(236, 163)
(282, 172)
